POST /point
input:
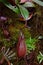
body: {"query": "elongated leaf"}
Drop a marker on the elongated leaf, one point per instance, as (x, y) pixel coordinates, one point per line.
(13, 8)
(24, 12)
(40, 57)
(28, 4)
(38, 2)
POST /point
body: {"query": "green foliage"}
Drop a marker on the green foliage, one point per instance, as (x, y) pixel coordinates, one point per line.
(24, 12)
(31, 43)
(17, 9)
(17, 26)
(29, 4)
(38, 2)
(13, 8)
(40, 57)
(4, 41)
(14, 31)
(7, 43)
(21, 9)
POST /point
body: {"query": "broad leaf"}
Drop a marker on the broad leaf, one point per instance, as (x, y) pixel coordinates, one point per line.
(28, 4)
(38, 2)
(24, 12)
(13, 8)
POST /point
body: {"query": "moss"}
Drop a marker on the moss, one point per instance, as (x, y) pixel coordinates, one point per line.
(15, 29)
(13, 26)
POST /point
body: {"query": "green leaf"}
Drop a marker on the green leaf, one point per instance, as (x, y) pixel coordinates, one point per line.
(28, 4)
(13, 8)
(38, 2)
(31, 43)
(40, 57)
(31, 46)
(24, 12)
